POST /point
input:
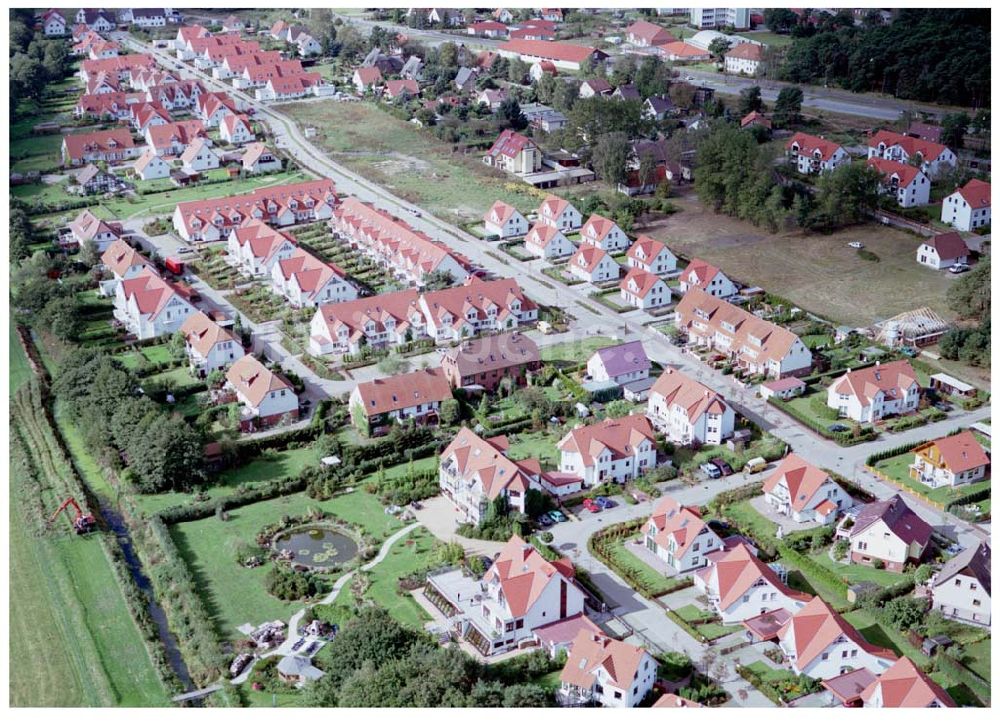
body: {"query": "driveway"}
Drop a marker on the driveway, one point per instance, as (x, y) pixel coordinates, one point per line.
(438, 515)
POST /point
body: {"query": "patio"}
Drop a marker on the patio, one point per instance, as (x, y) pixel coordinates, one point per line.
(787, 524)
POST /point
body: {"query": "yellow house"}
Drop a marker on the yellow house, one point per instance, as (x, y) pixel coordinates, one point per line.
(950, 461)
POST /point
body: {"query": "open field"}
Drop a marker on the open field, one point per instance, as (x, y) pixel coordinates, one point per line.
(409, 161)
(72, 633)
(20, 372)
(577, 350)
(818, 272)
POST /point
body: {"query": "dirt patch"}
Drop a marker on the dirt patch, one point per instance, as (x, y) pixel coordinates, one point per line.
(820, 273)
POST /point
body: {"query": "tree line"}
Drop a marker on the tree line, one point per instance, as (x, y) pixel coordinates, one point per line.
(35, 61)
(932, 55)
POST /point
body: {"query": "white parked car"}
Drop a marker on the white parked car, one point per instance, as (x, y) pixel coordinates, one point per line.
(958, 268)
(856, 245)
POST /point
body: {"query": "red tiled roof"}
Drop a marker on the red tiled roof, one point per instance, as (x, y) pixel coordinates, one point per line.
(510, 143)
(976, 193)
(548, 50)
(949, 245)
(485, 460)
(808, 144)
(904, 685)
(639, 282)
(959, 452)
(254, 380)
(591, 651)
(202, 333)
(620, 435)
(746, 51)
(928, 149)
(369, 75)
(891, 378)
(100, 141)
(652, 33)
(390, 394)
(904, 172)
(523, 574)
(677, 388)
(817, 626)
(802, 480)
(588, 257)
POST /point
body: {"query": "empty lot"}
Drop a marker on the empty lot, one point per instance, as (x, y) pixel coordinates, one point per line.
(818, 272)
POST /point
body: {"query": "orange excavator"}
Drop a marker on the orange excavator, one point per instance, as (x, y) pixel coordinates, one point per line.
(82, 523)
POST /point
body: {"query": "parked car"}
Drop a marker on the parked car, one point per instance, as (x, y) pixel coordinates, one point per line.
(416, 505)
(184, 250)
(723, 466)
(639, 496)
(711, 470)
(556, 516)
(958, 268)
(591, 506)
(757, 464)
(837, 428)
(604, 502)
(312, 648)
(544, 520)
(943, 406)
(856, 245)
(298, 644)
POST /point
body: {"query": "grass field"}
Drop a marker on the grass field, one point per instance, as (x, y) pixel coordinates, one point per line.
(858, 573)
(411, 554)
(540, 445)
(71, 633)
(883, 635)
(19, 372)
(235, 595)
(577, 350)
(410, 162)
(818, 272)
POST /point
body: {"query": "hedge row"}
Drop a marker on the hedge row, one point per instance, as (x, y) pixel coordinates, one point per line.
(686, 626)
(844, 439)
(599, 544)
(883, 454)
(946, 663)
(203, 510)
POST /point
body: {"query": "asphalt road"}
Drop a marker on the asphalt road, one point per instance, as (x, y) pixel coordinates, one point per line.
(819, 451)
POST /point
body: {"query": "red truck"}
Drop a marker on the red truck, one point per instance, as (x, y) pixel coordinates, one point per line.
(174, 265)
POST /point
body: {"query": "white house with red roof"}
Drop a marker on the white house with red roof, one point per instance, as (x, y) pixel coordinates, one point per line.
(968, 208)
(740, 586)
(505, 221)
(266, 398)
(819, 643)
(934, 158)
(710, 279)
(869, 394)
(306, 281)
(603, 671)
(174, 95)
(475, 471)
(593, 264)
(374, 321)
(520, 593)
(813, 154)
(744, 59)
(148, 114)
(751, 343)
(603, 233)
(476, 306)
(212, 219)
(258, 158)
(678, 50)
(213, 107)
(645, 34)
(367, 77)
(906, 183)
(150, 306)
(943, 250)
(804, 492)
(254, 248)
(547, 242)
(644, 290)
(391, 242)
(208, 345)
(294, 86)
(87, 227)
(887, 531)
(117, 106)
(414, 395)
(618, 449)
(171, 139)
(53, 24)
(950, 461)
(559, 213)
(687, 411)
(514, 153)
(124, 262)
(401, 88)
(199, 156)
(904, 685)
(488, 29)
(651, 256)
(235, 129)
(150, 166)
(679, 536)
(109, 146)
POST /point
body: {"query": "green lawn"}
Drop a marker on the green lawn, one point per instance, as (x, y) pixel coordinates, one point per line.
(689, 613)
(883, 635)
(714, 631)
(977, 658)
(35, 153)
(624, 558)
(858, 573)
(576, 351)
(897, 468)
(19, 371)
(269, 466)
(158, 354)
(409, 161)
(235, 595)
(540, 445)
(411, 554)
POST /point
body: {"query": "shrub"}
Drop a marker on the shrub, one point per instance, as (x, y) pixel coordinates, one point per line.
(287, 584)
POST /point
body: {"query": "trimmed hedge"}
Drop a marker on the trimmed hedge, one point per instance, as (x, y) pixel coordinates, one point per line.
(883, 454)
(844, 439)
